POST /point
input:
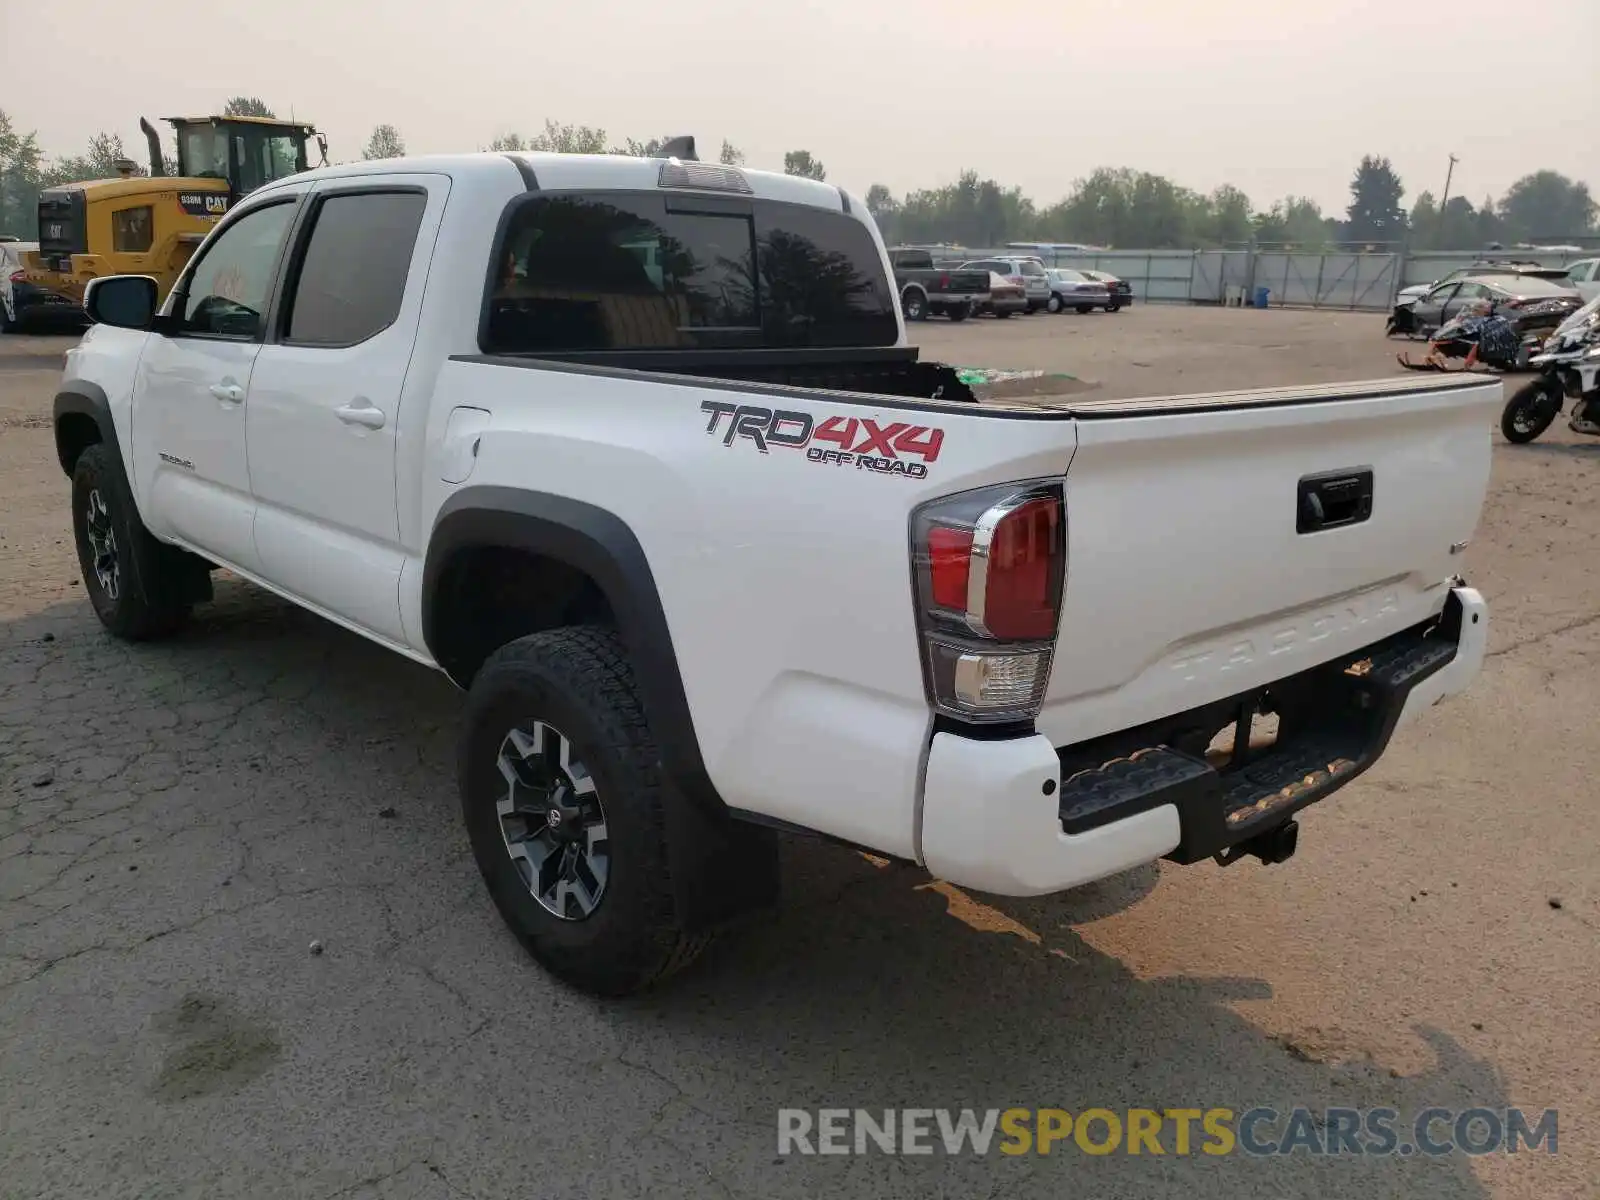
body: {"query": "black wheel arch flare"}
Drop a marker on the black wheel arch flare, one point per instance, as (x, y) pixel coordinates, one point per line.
(602, 546)
(79, 398)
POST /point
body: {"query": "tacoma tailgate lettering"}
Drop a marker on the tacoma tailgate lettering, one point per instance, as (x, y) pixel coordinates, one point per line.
(1220, 658)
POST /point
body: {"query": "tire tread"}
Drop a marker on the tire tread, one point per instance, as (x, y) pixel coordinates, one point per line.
(590, 663)
(150, 605)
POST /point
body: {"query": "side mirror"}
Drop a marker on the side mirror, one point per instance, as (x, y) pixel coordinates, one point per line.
(125, 301)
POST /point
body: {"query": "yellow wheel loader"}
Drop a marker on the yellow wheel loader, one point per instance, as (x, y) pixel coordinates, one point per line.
(151, 224)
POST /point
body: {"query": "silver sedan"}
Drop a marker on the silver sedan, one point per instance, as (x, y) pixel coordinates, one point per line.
(1073, 289)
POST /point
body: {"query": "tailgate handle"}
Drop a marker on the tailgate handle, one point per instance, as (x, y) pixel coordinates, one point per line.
(1333, 499)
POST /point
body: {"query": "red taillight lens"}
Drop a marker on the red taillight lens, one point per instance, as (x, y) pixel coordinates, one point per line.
(1020, 587)
(19, 277)
(949, 566)
(944, 281)
(1014, 279)
(991, 570)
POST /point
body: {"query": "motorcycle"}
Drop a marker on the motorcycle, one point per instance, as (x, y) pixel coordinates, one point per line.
(1569, 368)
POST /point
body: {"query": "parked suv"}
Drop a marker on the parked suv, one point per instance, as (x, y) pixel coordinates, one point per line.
(1028, 272)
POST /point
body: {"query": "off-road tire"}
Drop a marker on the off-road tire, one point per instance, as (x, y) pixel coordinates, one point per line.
(578, 680)
(914, 303)
(149, 600)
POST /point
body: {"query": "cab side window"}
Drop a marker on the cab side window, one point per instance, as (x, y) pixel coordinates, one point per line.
(226, 295)
(132, 230)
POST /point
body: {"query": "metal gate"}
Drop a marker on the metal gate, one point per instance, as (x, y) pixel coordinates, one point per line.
(1206, 282)
(1354, 281)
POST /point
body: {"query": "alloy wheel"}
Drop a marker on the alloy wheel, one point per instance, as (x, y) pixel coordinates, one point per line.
(103, 544)
(552, 822)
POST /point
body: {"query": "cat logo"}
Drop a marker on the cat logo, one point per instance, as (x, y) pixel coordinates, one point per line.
(203, 204)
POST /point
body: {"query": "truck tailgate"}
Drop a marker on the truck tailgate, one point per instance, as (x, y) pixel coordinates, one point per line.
(1219, 543)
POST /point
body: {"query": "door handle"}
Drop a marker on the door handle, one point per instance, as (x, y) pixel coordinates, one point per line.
(228, 393)
(363, 412)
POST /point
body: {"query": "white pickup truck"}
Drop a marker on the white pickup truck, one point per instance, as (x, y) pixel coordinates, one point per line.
(635, 451)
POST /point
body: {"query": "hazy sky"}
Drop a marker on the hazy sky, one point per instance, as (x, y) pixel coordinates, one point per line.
(1275, 96)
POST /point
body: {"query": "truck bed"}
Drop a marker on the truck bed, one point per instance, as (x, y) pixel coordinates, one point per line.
(896, 374)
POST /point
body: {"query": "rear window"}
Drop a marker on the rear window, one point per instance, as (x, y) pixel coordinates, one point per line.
(1031, 268)
(641, 271)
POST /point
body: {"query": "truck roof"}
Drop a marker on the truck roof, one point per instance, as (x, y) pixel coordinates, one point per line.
(219, 118)
(560, 172)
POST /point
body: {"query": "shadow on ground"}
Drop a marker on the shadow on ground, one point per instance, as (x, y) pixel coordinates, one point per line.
(1578, 450)
(181, 821)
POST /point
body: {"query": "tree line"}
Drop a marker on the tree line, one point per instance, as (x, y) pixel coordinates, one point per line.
(1112, 206)
(1120, 207)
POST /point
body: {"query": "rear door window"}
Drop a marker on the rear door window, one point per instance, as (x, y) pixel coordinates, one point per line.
(639, 271)
(353, 277)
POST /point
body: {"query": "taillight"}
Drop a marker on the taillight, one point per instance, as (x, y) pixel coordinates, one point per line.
(1015, 280)
(944, 281)
(19, 277)
(990, 569)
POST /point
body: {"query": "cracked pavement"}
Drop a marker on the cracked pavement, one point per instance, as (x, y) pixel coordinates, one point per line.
(180, 822)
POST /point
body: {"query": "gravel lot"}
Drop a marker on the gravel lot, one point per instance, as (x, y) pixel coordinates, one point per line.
(178, 823)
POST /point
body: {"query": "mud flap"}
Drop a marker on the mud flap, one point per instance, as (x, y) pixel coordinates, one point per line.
(722, 868)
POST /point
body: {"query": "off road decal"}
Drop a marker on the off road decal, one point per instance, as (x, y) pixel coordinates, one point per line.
(203, 204)
(886, 448)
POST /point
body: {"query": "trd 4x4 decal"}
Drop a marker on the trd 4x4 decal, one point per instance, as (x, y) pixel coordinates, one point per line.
(861, 442)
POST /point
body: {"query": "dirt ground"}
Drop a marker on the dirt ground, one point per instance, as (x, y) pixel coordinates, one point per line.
(178, 824)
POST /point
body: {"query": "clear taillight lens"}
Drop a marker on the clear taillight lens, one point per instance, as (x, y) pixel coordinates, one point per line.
(991, 569)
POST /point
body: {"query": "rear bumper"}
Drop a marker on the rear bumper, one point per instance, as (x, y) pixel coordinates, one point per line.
(33, 302)
(1019, 817)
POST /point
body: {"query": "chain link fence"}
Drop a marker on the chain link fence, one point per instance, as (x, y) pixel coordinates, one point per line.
(1351, 280)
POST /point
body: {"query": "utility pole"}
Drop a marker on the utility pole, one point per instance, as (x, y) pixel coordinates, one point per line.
(1447, 177)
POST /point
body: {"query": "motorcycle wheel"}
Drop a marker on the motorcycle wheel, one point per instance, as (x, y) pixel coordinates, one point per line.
(1528, 413)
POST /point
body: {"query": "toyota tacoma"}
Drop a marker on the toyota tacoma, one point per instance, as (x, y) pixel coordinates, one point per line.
(635, 451)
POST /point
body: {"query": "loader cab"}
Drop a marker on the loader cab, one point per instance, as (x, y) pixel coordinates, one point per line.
(246, 152)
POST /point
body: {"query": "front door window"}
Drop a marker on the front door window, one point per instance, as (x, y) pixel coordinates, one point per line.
(226, 295)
